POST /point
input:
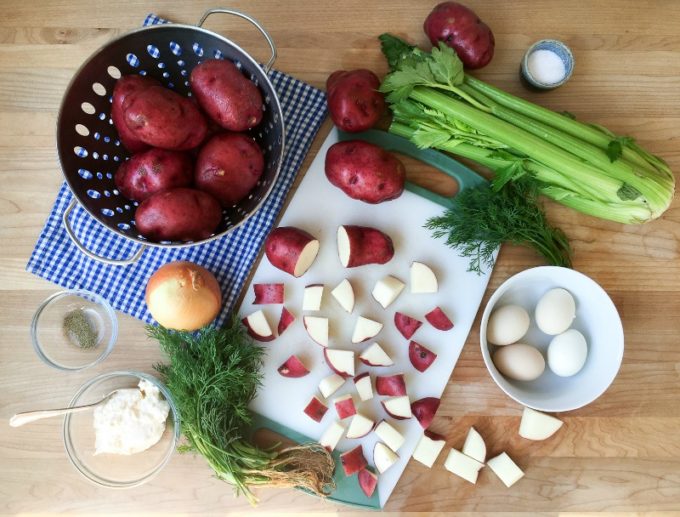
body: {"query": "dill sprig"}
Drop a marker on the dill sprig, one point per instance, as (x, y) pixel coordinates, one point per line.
(213, 375)
(483, 218)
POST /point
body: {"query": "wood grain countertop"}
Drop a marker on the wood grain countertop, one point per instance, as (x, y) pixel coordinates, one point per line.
(619, 454)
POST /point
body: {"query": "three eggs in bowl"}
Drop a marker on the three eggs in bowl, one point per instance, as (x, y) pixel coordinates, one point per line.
(586, 307)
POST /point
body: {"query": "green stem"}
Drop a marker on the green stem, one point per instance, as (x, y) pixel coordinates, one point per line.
(566, 124)
(653, 186)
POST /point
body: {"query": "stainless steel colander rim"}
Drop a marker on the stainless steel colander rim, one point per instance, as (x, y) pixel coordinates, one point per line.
(246, 56)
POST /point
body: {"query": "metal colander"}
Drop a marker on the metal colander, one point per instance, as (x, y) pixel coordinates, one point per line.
(87, 141)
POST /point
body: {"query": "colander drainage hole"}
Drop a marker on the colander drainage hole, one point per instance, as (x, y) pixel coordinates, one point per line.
(153, 51)
(123, 226)
(113, 72)
(198, 50)
(132, 60)
(175, 48)
(85, 174)
(82, 130)
(94, 194)
(99, 89)
(87, 108)
(107, 212)
(81, 152)
(218, 54)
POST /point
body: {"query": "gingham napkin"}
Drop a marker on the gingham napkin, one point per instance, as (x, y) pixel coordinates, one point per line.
(230, 258)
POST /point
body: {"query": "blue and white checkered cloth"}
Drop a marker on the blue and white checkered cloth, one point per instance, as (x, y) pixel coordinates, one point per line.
(230, 258)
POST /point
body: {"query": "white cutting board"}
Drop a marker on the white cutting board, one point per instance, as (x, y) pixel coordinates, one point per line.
(319, 208)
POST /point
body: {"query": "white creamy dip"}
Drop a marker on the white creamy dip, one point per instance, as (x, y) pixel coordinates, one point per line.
(131, 421)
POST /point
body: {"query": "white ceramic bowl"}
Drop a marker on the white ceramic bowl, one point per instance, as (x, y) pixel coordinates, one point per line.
(596, 317)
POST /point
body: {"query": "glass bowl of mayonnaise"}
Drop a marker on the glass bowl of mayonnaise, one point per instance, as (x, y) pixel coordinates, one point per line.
(128, 436)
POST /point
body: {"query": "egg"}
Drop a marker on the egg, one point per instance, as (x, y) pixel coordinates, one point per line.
(555, 311)
(519, 361)
(507, 325)
(567, 353)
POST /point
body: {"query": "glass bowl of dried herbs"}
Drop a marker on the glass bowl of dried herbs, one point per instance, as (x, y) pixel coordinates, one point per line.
(74, 329)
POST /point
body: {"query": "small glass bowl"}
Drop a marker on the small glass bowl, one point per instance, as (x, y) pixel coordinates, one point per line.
(558, 48)
(114, 470)
(58, 347)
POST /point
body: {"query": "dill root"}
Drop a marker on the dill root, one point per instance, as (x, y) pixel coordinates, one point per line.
(213, 375)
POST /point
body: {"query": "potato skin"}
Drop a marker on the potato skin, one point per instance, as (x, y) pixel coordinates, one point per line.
(461, 29)
(226, 95)
(162, 118)
(284, 245)
(228, 166)
(125, 86)
(368, 246)
(353, 100)
(365, 171)
(181, 214)
(152, 171)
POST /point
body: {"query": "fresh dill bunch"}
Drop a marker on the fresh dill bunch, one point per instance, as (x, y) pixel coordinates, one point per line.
(482, 218)
(213, 375)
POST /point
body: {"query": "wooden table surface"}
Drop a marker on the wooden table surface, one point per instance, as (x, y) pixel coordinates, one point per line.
(619, 454)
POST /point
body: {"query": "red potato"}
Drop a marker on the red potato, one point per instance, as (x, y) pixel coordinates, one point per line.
(365, 171)
(153, 171)
(258, 327)
(424, 410)
(162, 118)
(391, 385)
(125, 86)
(228, 166)
(368, 480)
(226, 95)
(406, 325)
(268, 294)
(362, 245)
(461, 29)
(293, 367)
(421, 358)
(291, 250)
(438, 319)
(286, 319)
(180, 214)
(353, 461)
(315, 409)
(354, 102)
(345, 407)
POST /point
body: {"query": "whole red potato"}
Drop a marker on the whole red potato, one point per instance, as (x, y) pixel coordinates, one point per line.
(354, 102)
(153, 171)
(226, 95)
(125, 86)
(228, 167)
(462, 30)
(365, 171)
(180, 214)
(162, 118)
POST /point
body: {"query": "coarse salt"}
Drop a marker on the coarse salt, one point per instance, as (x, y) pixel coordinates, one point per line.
(546, 67)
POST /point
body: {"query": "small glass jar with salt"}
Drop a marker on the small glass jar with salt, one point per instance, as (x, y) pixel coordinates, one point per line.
(547, 64)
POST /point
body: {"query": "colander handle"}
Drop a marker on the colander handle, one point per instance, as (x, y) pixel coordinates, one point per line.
(93, 256)
(252, 20)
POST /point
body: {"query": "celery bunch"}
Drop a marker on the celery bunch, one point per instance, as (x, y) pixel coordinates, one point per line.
(583, 166)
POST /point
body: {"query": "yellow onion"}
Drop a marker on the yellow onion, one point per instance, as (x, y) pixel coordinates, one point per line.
(183, 296)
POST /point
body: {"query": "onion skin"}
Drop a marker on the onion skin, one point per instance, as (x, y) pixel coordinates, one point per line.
(183, 296)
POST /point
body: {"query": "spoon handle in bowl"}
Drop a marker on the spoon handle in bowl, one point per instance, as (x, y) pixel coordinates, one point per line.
(31, 416)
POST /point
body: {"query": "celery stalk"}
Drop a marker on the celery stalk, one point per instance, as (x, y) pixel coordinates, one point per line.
(559, 121)
(601, 187)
